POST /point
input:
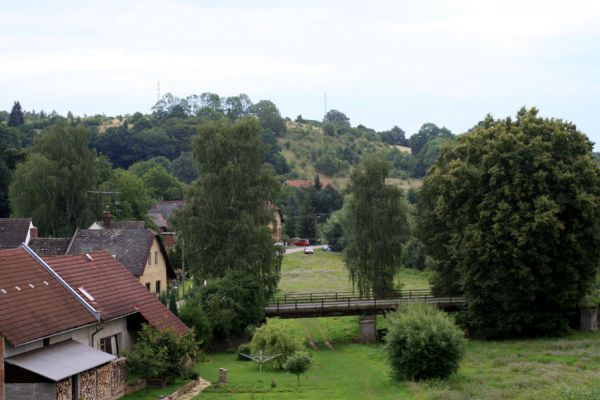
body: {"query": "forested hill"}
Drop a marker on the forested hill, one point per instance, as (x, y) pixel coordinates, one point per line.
(156, 147)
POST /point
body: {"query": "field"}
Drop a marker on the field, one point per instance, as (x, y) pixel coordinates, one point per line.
(553, 368)
(325, 272)
(567, 368)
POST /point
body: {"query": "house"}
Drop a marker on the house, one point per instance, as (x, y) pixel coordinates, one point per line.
(63, 322)
(49, 246)
(108, 223)
(14, 231)
(141, 251)
(161, 213)
(277, 225)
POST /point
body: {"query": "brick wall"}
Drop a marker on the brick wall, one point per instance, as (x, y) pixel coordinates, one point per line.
(1, 367)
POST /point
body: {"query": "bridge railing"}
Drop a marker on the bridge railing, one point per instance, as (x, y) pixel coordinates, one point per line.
(329, 297)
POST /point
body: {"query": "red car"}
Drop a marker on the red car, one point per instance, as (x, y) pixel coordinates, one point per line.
(302, 242)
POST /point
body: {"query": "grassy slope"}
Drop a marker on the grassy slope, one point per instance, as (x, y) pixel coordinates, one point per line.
(326, 272)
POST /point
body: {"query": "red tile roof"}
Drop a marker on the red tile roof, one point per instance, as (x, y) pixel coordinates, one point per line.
(42, 307)
(115, 291)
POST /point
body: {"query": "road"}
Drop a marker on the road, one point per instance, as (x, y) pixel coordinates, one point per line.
(294, 249)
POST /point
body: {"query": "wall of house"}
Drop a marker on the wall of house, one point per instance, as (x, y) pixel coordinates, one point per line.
(82, 335)
(1, 367)
(155, 271)
(31, 391)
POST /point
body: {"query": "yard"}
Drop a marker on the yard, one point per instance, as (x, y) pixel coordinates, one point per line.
(564, 368)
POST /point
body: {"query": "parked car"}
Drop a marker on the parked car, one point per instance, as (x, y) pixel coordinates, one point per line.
(302, 242)
(309, 250)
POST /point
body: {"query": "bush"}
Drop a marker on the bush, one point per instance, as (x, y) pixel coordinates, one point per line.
(273, 339)
(246, 349)
(298, 363)
(194, 316)
(422, 343)
(162, 354)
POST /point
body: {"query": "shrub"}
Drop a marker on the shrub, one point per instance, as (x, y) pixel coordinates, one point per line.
(162, 354)
(298, 363)
(273, 339)
(194, 316)
(246, 349)
(422, 343)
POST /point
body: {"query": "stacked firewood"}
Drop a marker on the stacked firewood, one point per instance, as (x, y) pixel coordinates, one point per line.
(63, 389)
(104, 378)
(87, 384)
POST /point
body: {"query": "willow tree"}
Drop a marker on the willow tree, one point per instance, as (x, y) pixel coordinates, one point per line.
(226, 223)
(375, 226)
(511, 211)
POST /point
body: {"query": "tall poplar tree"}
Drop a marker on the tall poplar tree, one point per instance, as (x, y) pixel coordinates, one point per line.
(375, 226)
(226, 224)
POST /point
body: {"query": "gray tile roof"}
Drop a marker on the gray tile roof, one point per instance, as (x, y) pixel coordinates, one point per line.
(130, 246)
(13, 232)
(49, 246)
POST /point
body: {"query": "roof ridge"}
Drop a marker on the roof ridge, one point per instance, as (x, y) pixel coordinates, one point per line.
(56, 276)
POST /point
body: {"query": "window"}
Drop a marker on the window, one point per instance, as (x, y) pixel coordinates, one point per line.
(148, 286)
(156, 257)
(110, 344)
(150, 259)
(157, 286)
(46, 342)
(106, 345)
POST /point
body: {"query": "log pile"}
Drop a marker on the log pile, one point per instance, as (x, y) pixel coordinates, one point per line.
(103, 382)
(63, 389)
(87, 384)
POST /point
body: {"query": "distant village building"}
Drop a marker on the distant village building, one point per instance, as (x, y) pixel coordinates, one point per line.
(141, 251)
(14, 231)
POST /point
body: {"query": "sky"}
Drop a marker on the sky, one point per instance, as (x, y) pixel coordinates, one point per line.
(381, 62)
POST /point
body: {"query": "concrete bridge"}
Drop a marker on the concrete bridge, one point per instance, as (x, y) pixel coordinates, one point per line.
(310, 305)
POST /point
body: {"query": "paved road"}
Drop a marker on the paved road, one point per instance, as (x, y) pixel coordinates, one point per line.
(294, 249)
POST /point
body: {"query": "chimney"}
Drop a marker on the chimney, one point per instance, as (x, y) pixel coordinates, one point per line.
(33, 232)
(106, 219)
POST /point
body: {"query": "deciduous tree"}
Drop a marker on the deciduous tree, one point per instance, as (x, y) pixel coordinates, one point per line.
(511, 212)
(376, 226)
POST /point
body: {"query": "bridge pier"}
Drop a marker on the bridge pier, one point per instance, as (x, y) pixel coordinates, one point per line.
(368, 328)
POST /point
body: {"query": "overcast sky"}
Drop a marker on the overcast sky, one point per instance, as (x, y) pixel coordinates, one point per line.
(382, 63)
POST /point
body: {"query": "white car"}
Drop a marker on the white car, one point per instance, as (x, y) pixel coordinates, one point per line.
(309, 250)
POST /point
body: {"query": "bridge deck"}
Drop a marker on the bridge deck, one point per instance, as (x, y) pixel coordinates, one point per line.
(333, 304)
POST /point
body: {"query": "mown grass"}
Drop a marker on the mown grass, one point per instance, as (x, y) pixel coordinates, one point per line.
(563, 368)
(155, 393)
(325, 271)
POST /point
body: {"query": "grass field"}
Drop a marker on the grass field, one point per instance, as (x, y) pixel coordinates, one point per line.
(553, 368)
(564, 368)
(325, 271)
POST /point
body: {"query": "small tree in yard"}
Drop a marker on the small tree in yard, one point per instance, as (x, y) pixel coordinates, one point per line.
(273, 339)
(423, 343)
(298, 363)
(162, 354)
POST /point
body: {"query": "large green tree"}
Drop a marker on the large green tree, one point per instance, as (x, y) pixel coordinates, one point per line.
(225, 224)
(511, 212)
(52, 185)
(375, 226)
